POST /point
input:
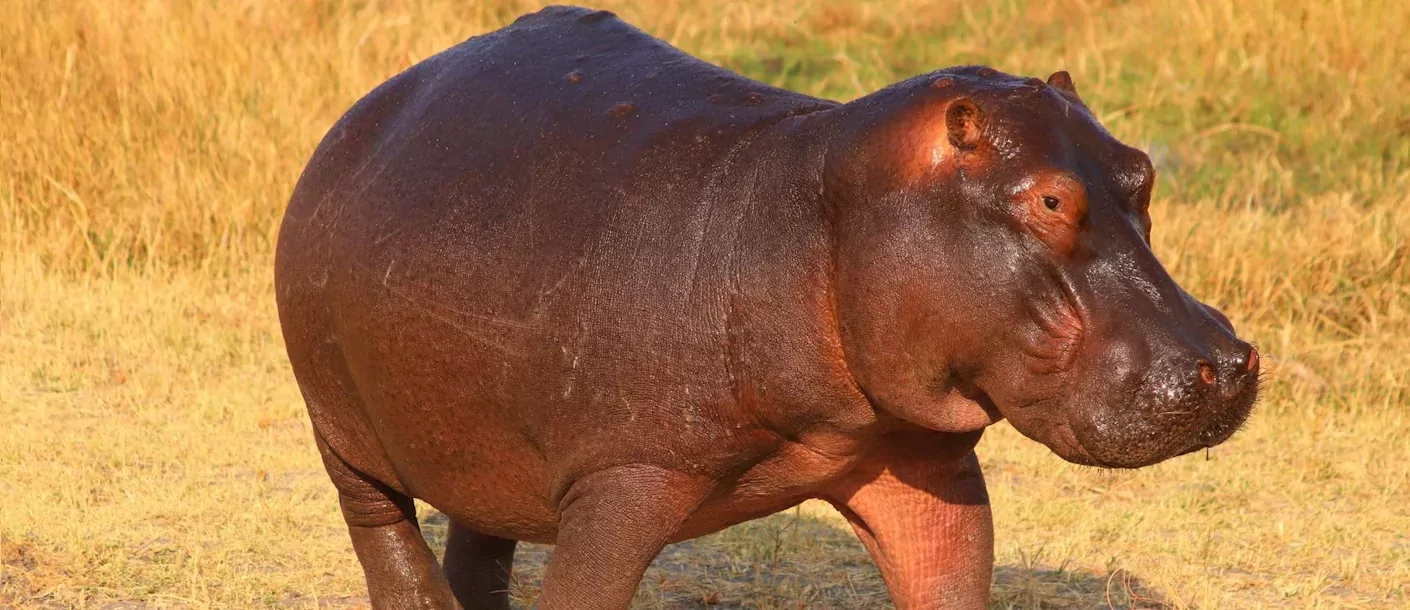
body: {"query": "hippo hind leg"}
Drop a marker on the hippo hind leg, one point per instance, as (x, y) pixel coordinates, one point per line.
(612, 523)
(478, 567)
(400, 569)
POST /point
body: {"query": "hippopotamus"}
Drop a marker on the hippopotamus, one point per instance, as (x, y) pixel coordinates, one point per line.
(568, 284)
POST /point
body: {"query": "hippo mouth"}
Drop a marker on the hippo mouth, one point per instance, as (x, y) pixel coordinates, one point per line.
(1138, 434)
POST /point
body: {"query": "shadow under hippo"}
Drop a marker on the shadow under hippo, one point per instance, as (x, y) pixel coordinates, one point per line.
(793, 560)
(569, 285)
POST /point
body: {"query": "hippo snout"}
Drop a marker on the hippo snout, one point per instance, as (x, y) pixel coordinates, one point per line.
(1166, 400)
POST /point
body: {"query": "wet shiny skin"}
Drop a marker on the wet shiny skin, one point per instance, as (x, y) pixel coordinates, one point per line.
(567, 284)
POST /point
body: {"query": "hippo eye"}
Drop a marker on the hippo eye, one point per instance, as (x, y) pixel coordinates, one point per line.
(1050, 202)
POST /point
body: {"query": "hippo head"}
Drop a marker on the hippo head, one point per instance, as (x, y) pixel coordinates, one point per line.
(993, 260)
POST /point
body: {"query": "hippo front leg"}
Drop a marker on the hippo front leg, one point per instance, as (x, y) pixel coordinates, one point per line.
(923, 513)
(611, 525)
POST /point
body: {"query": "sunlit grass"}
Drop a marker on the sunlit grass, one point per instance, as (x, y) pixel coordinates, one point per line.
(153, 446)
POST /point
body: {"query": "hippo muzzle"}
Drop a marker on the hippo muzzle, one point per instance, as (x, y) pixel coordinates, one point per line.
(1147, 398)
(1157, 374)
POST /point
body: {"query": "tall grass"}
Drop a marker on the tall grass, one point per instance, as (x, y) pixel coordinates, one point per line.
(147, 149)
(156, 133)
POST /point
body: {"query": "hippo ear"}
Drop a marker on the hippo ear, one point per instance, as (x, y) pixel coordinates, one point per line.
(1063, 81)
(964, 122)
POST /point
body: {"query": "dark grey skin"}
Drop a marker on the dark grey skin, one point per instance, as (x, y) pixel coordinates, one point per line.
(570, 285)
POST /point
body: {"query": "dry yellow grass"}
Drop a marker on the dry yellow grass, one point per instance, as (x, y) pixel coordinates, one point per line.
(153, 448)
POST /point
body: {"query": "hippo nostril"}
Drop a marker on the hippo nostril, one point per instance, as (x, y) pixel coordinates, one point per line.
(1252, 358)
(1206, 372)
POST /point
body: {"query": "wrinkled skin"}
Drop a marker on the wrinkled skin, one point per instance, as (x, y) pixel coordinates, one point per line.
(569, 285)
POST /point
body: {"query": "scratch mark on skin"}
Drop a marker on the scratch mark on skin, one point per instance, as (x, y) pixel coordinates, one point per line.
(730, 317)
(582, 260)
(711, 192)
(384, 145)
(699, 243)
(467, 332)
(354, 179)
(631, 411)
(385, 236)
(435, 310)
(572, 374)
